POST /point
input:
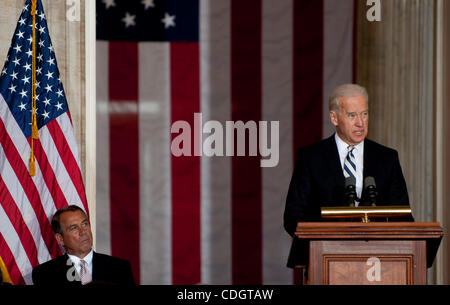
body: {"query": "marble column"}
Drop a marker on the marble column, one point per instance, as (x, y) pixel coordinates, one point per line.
(396, 62)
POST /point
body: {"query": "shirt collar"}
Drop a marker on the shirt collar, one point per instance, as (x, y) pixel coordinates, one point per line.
(342, 146)
(76, 260)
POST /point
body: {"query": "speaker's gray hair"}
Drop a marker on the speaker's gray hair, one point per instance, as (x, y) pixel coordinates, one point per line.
(345, 90)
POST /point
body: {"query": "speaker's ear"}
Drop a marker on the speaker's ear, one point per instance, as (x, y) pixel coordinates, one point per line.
(334, 117)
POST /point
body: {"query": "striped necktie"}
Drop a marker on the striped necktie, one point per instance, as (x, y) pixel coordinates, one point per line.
(84, 273)
(350, 163)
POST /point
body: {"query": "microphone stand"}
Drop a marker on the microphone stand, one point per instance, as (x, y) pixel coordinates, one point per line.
(350, 191)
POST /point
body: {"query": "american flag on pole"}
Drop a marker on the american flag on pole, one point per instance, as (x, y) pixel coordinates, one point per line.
(200, 219)
(28, 202)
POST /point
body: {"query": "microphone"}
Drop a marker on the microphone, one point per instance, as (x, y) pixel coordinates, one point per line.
(370, 190)
(350, 190)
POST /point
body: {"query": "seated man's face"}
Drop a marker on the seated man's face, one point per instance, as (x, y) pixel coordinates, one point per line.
(76, 235)
(352, 119)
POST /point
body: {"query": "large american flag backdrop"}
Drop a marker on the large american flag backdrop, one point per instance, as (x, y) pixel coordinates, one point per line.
(27, 202)
(213, 220)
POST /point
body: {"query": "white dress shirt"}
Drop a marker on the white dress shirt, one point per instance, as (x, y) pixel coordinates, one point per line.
(358, 152)
(87, 259)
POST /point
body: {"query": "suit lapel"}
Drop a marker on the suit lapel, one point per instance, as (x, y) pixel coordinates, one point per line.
(333, 161)
(99, 267)
(70, 273)
(368, 159)
(96, 266)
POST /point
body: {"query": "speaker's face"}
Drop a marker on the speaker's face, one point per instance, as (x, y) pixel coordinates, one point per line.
(352, 119)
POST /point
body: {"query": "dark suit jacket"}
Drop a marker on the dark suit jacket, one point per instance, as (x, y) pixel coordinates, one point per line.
(105, 270)
(318, 181)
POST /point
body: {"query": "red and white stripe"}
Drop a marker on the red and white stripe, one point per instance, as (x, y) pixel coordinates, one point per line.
(215, 220)
(28, 203)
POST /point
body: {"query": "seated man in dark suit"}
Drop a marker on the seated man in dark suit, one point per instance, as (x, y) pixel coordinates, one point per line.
(80, 265)
(321, 168)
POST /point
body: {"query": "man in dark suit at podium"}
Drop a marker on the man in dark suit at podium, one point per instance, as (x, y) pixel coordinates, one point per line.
(321, 169)
(80, 265)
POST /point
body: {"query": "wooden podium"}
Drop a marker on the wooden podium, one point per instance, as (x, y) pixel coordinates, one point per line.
(373, 253)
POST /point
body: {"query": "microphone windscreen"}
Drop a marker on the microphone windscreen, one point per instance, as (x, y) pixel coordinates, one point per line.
(369, 181)
(350, 181)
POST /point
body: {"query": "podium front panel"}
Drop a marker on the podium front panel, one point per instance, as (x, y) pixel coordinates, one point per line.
(367, 262)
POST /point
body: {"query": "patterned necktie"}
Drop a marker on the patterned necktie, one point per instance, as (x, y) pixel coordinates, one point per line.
(84, 273)
(350, 163)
